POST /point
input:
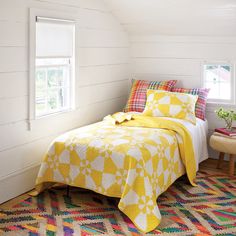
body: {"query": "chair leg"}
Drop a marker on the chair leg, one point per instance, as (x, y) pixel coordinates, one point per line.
(231, 164)
(221, 158)
(68, 191)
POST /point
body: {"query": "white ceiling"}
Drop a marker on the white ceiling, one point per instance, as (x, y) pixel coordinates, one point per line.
(177, 17)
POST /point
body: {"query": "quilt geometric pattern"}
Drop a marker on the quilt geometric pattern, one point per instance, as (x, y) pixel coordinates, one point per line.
(208, 209)
(170, 104)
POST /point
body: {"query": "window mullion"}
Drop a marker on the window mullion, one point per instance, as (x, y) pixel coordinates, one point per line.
(47, 109)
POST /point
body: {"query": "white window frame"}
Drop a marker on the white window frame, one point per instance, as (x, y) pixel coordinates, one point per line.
(233, 89)
(51, 14)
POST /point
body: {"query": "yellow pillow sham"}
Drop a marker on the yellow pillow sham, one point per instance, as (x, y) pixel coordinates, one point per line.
(169, 104)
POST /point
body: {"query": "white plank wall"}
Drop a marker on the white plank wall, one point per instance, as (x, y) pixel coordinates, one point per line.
(103, 81)
(182, 17)
(157, 57)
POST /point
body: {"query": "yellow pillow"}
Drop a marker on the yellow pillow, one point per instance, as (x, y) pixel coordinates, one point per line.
(169, 104)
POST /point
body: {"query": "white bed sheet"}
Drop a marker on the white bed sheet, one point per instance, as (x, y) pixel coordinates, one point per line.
(199, 137)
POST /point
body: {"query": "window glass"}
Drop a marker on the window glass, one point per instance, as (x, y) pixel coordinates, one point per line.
(52, 86)
(218, 79)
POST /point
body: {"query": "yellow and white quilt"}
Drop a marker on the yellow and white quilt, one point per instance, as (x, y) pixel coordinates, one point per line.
(135, 161)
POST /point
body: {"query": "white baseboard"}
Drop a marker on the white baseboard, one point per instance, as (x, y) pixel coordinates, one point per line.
(18, 183)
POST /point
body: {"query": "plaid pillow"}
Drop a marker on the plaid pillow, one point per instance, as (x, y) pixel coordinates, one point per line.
(200, 108)
(137, 97)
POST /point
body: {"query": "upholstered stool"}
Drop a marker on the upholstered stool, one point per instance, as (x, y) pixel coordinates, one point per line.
(224, 144)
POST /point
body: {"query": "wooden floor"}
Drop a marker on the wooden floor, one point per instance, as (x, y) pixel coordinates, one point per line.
(210, 164)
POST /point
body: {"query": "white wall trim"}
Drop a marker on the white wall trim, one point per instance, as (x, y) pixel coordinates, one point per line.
(34, 12)
(18, 172)
(18, 182)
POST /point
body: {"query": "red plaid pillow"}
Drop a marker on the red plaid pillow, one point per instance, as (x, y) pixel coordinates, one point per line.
(137, 97)
(200, 108)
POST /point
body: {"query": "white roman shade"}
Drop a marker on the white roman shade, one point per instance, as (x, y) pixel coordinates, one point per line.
(54, 37)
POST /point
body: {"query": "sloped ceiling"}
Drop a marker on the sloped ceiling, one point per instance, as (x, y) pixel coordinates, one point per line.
(177, 17)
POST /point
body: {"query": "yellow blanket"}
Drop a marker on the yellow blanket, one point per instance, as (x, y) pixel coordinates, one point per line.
(136, 161)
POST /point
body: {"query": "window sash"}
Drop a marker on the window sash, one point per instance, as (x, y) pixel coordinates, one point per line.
(231, 82)
(66, 86)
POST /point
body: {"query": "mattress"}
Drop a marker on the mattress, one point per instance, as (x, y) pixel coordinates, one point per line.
(199, 136)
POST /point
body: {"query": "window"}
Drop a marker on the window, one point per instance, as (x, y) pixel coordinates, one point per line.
(52, 60)
(54, 65)
(219, 78)
(53, 85)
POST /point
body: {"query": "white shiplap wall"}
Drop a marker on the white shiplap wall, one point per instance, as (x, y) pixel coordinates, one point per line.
(171, 17)
(102, 86)
(157, 57)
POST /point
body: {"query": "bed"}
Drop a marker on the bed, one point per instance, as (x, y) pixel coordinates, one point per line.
(135, 160)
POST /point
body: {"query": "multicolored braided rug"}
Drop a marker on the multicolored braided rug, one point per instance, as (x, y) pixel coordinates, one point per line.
(209, 209)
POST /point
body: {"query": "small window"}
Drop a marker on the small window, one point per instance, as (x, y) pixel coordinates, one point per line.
(218, 77)
(54, 66)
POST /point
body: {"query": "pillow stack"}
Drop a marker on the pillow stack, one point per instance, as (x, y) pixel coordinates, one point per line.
(137, 97)
(161, 98)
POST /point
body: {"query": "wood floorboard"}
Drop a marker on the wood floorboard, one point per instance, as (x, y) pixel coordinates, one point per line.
(210, 164)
